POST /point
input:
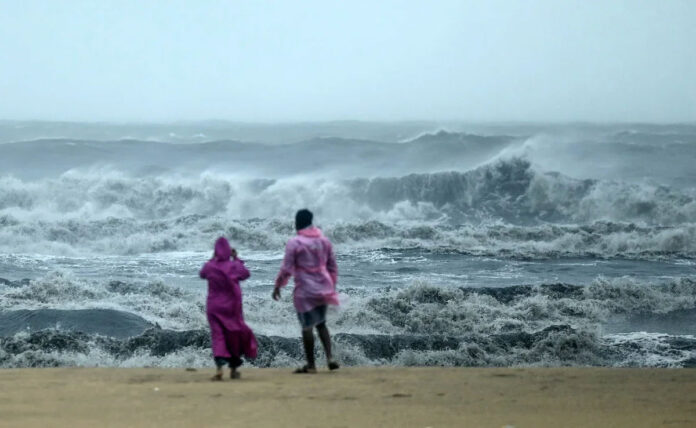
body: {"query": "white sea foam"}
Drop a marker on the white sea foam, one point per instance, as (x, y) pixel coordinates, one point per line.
(121, 207)
(503, 208)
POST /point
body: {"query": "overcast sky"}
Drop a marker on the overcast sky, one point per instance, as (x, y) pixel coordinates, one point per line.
(326, 60)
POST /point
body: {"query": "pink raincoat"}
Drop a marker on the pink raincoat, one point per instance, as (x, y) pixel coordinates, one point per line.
(309, 257)
(230, 335)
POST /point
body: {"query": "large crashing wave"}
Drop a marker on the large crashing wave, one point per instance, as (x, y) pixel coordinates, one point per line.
(617, 194)
(514, 192)
(507, 207)
(510, 190)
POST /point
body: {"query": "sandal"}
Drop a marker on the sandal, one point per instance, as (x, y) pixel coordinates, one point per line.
(235, 375)
(305, 370)
(217, 377)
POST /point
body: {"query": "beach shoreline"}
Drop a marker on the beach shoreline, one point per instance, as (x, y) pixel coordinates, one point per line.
(350, 397)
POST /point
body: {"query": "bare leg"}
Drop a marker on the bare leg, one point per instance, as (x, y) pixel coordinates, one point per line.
(326, 341)
(235, 362)
(234, 373)
(218, 373)
(308, 342)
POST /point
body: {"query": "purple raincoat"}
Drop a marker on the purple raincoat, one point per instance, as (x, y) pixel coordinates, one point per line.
(230, 335)
(309, 257)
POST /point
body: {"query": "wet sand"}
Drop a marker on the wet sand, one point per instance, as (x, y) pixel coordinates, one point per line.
(352, 397)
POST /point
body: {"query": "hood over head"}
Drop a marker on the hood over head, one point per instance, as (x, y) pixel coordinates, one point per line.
(223, 251)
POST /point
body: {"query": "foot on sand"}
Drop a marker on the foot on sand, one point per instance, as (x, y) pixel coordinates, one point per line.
(333, 365)
(218, 375)
(305, 370)
(234, 374)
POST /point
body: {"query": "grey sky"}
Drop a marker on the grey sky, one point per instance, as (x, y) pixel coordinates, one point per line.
(325, 60)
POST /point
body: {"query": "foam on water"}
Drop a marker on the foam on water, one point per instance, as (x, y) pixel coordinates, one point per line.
(430, 232)
(505, 208)
(554, 346)
(158, 303)
(417, 325)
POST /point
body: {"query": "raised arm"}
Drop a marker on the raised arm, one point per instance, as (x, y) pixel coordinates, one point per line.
(204, 271)
(241, 271)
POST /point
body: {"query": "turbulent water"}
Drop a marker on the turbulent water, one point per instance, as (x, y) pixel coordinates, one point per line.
(457, 244)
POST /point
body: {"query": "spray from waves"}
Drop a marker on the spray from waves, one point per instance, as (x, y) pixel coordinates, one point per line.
(635, 153)
(552, 324)
(507, 209)
(511, 190)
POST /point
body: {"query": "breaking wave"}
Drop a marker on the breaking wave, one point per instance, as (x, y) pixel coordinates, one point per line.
(551, 324)
(554, 346)
(88, 201)
(505, 208)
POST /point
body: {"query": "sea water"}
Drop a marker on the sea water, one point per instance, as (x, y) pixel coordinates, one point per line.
(457, 244)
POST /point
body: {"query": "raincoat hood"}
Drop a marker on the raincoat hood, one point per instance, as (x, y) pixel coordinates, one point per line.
(223, 251)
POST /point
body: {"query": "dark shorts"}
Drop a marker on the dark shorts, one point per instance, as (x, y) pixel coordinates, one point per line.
(311, 318)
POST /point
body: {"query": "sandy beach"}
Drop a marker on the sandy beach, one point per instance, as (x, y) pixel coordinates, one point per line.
(352, 397)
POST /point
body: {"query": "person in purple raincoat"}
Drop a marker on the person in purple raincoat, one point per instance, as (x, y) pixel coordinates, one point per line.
(231, 337)
(309, 257)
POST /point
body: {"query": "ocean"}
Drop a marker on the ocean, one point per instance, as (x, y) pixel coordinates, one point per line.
(457, 244)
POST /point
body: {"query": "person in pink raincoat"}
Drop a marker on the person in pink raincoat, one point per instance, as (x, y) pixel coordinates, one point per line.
(309, 257)
(231, 337)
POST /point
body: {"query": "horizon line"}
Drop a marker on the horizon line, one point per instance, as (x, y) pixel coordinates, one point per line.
(117, 122)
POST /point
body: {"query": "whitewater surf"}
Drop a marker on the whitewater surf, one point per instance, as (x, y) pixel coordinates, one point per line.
(479, 245)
